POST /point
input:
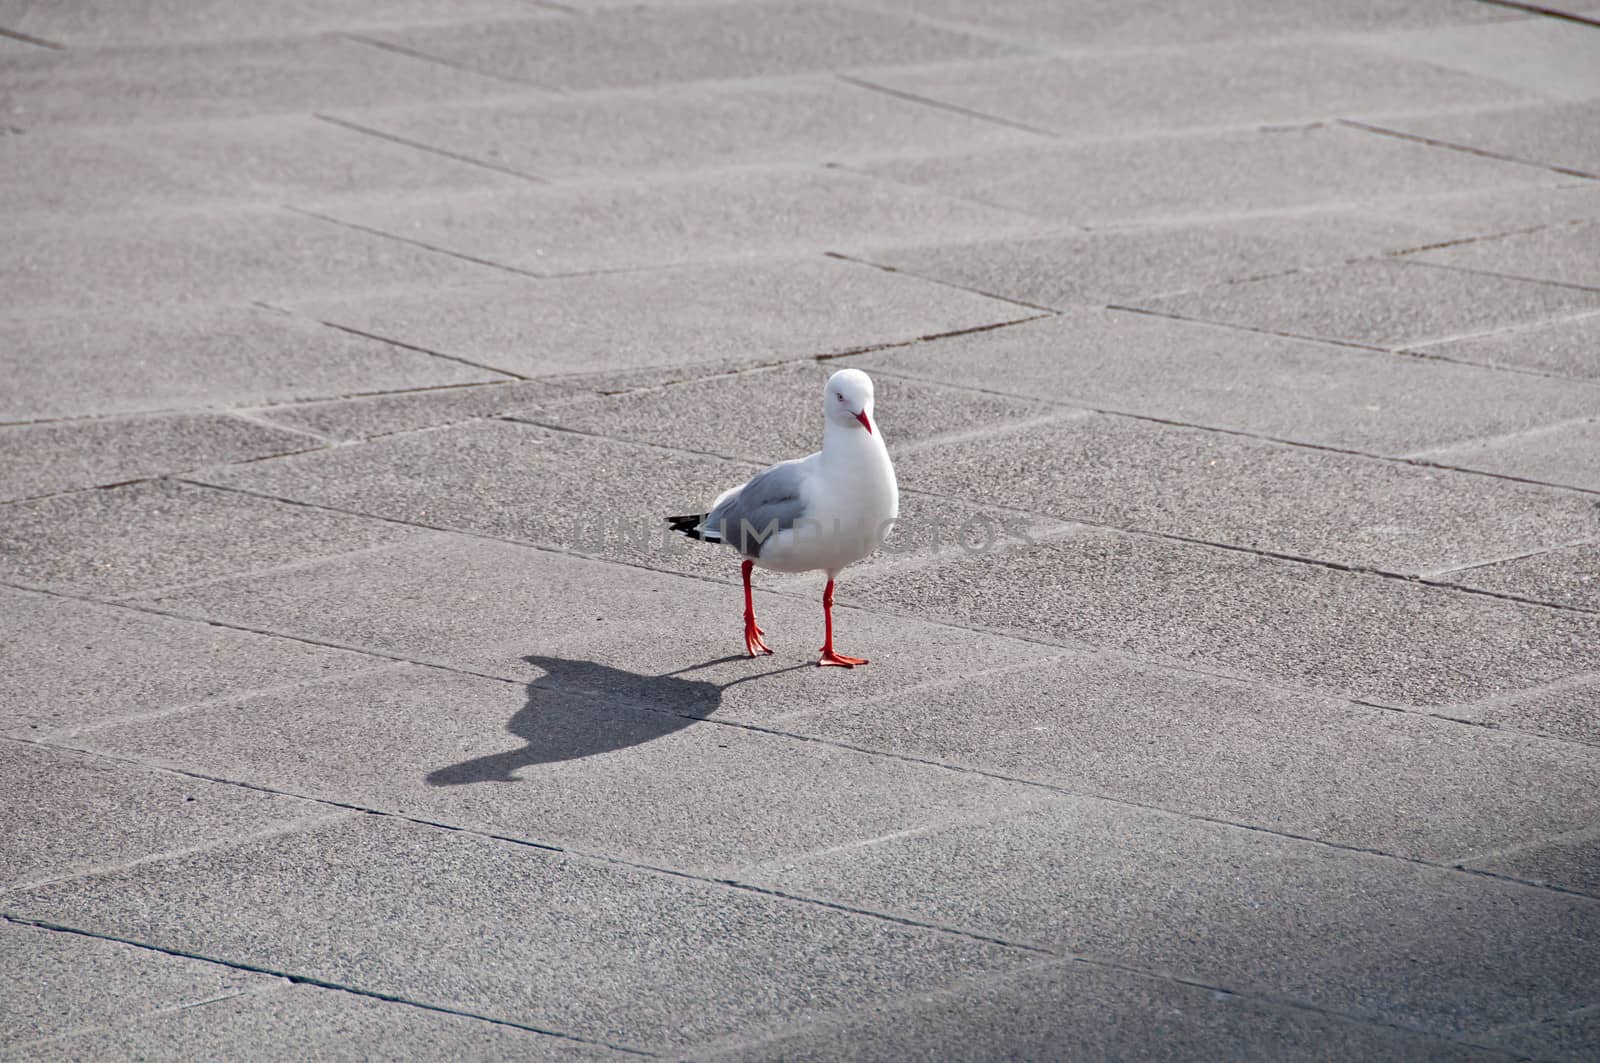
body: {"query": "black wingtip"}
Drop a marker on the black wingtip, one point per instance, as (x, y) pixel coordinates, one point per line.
(687, 525)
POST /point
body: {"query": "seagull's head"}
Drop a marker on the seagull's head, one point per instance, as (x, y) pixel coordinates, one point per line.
(847, 400)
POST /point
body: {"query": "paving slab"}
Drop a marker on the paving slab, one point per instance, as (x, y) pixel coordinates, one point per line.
(1569, 576)
(1388, 303)
(653, 46)
(1494, 212)
(124, 539)
(255, 160)
(1073, 1010)
(171, 82)
(73, 663)
(677, 219)
(1552, 134)
(586, 771)
(307, 1022)
(1560, 348)
(687, 127)
(71, 814)
(1221, 377)
(1547, 55)
(1571, 1036)
(409, 411)
(693, 315)
(1248, 493)
(1081, 95)
(530, 484)
(63, 982)
(1381, 939)
(1421, 787)
(580, 624)
(1364, 636)
(43, 459)
(1571, 862)
(1564, 710)
(108, 22)
(209, 356)
(1121, 265)
(1203, 175)
(1567, 454)
(1564, 254)
(779, 413)
(506, 931)
(177, 259)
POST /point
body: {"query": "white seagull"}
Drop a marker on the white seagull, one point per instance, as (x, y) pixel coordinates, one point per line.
(823, 511)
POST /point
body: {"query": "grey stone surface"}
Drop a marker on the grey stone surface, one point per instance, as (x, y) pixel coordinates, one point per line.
(692, 43)
(153, 534)
(44, 459)
(307, 1022)
(1419, 946)
(1105, 23)
(1569, 576)
(1565, 254)
(1554, 134)
(519, 481)
(692, 315)
(1571, 862)
(1247, 493)
(1119, 265)
(227, 161)
(676, 219)
(781, 413)
(614, 631)
(169, 82)
(1548, 55)
(133, 262)
(1563, 348)
(71, 813)
(1571, 1036)
(1073, 1010)
(1425, 788)
(408, 411)
(1200, 175)
(510, 266)
(63, 982)
(1490, 212)
(1568, 710)
(1220, 377)
(70, 663)
(1566, 454)
(1382, 304)
(1092, 94)
(1341, 632)
(91, 23)
(596, 772)
(508, 931)
(212, 356)
(813, 118)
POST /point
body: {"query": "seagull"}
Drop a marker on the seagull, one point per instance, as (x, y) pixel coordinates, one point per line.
(823, 511)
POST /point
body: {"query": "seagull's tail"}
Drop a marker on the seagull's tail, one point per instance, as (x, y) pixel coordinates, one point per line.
(689, 526)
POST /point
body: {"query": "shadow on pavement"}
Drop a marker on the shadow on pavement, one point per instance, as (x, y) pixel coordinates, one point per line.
(579, 708)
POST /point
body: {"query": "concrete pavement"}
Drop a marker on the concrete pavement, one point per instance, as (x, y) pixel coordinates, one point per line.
(1235, 683)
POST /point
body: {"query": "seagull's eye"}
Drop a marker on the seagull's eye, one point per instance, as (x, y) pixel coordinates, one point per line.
(838, 396)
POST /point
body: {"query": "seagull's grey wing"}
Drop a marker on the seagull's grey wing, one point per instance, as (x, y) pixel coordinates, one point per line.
(772, 500)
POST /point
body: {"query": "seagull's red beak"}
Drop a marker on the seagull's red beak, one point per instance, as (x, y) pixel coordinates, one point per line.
(862, 417)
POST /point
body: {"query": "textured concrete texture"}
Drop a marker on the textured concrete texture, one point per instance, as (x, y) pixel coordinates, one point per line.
(1235, 663)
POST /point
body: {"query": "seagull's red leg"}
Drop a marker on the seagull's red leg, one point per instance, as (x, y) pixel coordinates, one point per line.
(828, 656)
(753, 643)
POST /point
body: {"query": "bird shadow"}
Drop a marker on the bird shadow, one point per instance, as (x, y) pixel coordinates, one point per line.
(581, 709)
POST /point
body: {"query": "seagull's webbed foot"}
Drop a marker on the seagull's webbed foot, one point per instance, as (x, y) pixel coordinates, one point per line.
(838, 659)
(754, 644)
